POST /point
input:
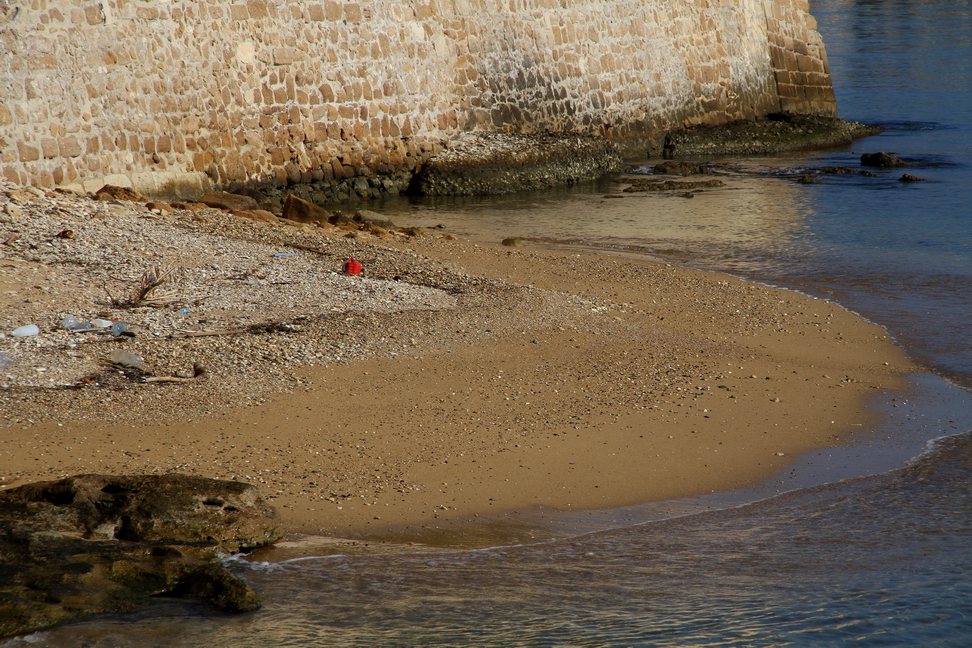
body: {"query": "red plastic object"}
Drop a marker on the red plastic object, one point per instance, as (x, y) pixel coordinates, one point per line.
(352, 267)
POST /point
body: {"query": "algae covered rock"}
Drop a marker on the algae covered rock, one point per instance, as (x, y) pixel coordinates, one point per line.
(95, 543)
(498, 163)
(775, 133)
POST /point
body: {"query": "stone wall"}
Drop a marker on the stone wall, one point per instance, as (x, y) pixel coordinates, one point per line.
(172, 96)
(798, 59)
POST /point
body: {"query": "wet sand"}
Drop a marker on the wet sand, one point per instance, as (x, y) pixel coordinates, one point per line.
(614, 381)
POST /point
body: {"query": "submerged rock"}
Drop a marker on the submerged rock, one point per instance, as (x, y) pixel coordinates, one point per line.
(882, 159)
(681, 168)
(671, 185)
(843, 170)
(96, 543)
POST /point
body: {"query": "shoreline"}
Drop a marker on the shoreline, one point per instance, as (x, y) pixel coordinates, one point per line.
(551, 381)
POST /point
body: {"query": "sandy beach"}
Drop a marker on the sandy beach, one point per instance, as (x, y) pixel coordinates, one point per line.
(462, 384)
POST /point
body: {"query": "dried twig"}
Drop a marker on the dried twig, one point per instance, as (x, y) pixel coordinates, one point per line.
(185, 334)
(147, 291)
(198, 373)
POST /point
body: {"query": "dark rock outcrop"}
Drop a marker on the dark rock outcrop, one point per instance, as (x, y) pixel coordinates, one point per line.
(497, 163)
(673, 167)
(777, 132)
(97, 543)
(882, 159)
(843, 170)
(671, 185)
(907, 177)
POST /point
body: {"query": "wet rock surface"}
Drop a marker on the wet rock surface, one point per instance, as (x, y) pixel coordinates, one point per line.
(672, 185)
(676, 167)
(882, 159)
(776, 133)
(843, 170)
(90, 544)
(497, 163)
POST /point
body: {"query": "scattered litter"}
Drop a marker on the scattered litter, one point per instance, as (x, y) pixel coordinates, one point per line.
(285, 254)
(6, 361)
(27, 330)
(351, 267)
(100, 323)
(118, 328)
(72, 323)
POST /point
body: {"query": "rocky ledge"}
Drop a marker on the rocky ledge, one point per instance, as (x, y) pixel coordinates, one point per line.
(95, 543)
(497, 163)
(775, 133)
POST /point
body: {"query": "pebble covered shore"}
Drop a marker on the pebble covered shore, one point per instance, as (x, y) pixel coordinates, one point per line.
(449, 382)
(247, 301)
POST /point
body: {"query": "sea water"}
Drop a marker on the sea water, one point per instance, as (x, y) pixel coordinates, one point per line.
(880, 560)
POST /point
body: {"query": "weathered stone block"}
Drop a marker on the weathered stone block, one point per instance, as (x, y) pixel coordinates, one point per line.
(28, 153)
(257, 8)
(283, 56)
(69, 147)
(93, 14)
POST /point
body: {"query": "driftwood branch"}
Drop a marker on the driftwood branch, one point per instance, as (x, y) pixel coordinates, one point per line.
(198, 373)
(187, 334)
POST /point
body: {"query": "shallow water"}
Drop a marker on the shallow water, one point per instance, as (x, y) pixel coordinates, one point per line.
(879, 560)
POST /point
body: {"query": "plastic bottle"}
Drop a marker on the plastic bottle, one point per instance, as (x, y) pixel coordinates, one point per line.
(118, 328)
(27, 330)
(73, 324)
(126, 359)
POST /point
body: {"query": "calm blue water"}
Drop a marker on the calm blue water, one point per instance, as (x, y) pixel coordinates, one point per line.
(884, 560)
